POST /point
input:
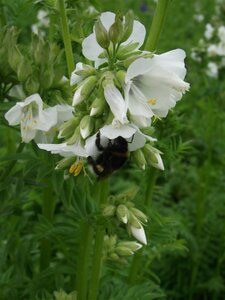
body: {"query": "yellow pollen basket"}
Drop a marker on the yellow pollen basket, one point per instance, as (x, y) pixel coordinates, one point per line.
(152, 101)
(76, 168)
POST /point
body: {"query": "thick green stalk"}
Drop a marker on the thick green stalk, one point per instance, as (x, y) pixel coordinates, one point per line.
(99, 241)
(66, 37)
(83, 261)
(48, 208)
(157, 25)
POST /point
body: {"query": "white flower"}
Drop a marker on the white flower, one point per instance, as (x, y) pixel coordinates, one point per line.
(92, 50)
(154, 85)
(212, 70)
(31, 117)
(208, 31)
(65, 150)
(198, 18)
(221, 33)
(63, 112)
(139, 233)
(117, 104)
(212, 50)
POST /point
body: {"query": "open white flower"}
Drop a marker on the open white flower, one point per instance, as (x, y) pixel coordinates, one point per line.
(31, 117)
(63, 113)
(154, 85)
(92, 50)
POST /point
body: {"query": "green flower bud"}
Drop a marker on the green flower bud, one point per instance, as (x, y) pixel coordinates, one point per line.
(84, 89)
(139, 158)
(68, 128)
(97, 107)
(114, 256)
(127, 50)
(139, 215)
(133, 246)
(110, 242)
(122, 213)
(24, 69)
(101, 34)
(123, 251)
(109, 210)
(152, 156)
(116, 31)
(120, 75)
(149, 154)
(65, 163)
(87, 71)
(128, 26)
(47, 77)
(32, 85)
(14, 58)
(74, 137)
(41, 50)
(133, 221)
(86, 126)
(98, 123)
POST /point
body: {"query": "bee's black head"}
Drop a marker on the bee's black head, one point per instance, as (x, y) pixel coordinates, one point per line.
(120, 144)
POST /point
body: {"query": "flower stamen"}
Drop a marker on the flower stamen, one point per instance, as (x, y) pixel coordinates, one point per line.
(76, 168)
(152, 101)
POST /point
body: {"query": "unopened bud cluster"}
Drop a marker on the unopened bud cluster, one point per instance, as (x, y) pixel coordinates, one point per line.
(118, 251)
(122, 209)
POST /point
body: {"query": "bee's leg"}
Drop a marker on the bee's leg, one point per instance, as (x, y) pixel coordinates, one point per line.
(98, 142)
(131, 139)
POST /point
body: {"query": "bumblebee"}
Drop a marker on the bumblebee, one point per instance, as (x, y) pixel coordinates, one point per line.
(111, 157)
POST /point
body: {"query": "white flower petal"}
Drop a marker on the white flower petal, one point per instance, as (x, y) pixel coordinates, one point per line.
(64, 113)
(107, 18)
(112, 132)
(90, 47)
(116, 102)
(137, 35)
(74, 79)
(64, 149)
(139, 234)
(47, 119)
(13, 116)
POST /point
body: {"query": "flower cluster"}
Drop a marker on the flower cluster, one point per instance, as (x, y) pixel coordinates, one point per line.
(122, 93)
(114, 101)
(210, 51)
(125, 212)
(115, 250)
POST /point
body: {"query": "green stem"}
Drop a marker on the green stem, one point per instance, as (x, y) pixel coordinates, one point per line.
(157, 25)
(99, 241)
(83, 261)
(135, 268)
(48, 207)
(66, 37)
